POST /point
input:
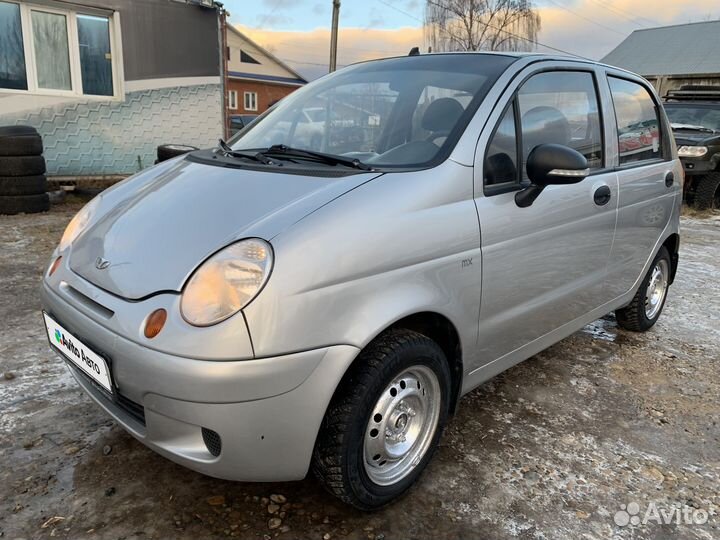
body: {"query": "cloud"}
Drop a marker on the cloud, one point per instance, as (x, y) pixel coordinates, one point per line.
(271, 19)
(610, 21)
(308, 52)
(281, 4)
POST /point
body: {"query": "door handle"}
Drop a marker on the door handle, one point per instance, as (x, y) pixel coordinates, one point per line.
(602, 195)
(669, 179)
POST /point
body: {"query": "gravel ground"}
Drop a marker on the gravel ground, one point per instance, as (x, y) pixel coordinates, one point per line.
(550, 449)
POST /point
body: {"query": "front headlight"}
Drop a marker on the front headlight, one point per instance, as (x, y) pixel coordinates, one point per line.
(226, 282)
(78, 224)
(692, 151)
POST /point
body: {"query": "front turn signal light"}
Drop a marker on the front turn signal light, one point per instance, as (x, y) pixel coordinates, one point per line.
(54, 266)
(155, 322)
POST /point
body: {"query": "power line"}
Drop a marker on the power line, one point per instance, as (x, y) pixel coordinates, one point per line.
(630, 16)
(325, 65)
(573, 12)
(534, 42)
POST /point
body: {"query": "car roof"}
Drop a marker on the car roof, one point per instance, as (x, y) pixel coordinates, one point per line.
(513, 54)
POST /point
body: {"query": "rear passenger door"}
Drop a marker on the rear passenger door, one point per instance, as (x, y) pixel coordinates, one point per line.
(649, 179)
(544, 266)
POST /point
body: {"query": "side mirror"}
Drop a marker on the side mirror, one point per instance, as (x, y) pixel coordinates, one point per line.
(551, 164)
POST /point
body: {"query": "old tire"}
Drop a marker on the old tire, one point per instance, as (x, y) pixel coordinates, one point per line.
(646, 306)
(22, 185)
(21, 145)
(169, 151)
(14, 131)
(22, 165)
(24, 204)
(707, 192)
(393, 403)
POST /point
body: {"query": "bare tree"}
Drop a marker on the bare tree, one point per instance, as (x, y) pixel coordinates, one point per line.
(472, 25)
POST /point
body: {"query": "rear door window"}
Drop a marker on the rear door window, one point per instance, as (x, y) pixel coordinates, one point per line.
(638, 122)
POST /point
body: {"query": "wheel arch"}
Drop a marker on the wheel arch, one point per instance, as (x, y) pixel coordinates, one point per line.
(672, 244)
(435, 326)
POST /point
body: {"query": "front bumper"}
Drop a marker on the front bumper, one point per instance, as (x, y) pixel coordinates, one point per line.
(267, 412)
(699, 166)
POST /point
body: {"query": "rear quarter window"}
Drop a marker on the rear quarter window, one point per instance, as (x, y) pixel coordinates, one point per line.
(638, 122)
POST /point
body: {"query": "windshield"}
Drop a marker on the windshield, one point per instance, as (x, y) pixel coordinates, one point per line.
(694, 116)
(400, 112)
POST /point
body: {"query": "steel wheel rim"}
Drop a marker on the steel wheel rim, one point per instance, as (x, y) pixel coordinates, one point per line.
(657, 289)
(402, 425)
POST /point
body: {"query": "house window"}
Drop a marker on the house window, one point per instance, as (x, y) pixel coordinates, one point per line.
(232, 99)
(251, 101)
(55, 51)
(13, 72)
(245, 58)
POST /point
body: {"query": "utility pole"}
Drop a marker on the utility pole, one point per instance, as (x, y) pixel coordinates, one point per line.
(334, 35)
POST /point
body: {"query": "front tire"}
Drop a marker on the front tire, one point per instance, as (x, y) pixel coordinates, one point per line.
(385, 420)
(707, 192)
(646, 306)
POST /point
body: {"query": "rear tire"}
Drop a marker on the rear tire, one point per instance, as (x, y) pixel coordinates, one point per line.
(646, 306)
(393, 404)
(707, 192)
(24, 204)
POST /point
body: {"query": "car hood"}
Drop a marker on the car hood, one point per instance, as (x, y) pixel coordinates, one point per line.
(694, 138)
(155, 228)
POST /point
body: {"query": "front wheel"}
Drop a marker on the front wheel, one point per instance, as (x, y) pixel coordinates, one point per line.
(647, 304)
(385, 420)
(707, 192)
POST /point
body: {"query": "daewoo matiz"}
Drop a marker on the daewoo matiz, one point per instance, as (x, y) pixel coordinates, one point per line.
(285, 302)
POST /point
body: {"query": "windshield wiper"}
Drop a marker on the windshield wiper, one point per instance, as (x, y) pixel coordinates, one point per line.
(254, 156)
(281, 150)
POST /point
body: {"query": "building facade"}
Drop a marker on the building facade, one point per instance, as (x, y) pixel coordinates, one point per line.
(255, 77)
(106, 81)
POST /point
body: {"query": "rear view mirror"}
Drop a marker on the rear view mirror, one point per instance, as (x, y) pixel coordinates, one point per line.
(551, 164)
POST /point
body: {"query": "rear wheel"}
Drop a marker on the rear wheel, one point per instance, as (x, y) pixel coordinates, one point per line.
(385, 421)
(707, 192)
(647, 304)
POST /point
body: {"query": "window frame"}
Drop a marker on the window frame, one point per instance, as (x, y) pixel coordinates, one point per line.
(505, 187)
(77, 90)
(490, 190)
(233, 103)
(665, 150)
(254, 98)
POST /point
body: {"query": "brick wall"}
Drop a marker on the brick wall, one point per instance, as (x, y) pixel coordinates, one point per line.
(267, 94)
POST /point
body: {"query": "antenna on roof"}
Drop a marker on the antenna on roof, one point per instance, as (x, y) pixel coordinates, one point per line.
(415, 51)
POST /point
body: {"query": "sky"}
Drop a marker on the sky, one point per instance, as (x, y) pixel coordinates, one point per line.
(298, 31)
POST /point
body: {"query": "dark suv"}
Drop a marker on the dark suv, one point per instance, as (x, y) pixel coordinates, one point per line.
(694, 113)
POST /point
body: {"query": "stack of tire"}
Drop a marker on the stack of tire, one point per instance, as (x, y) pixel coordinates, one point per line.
(23, 186)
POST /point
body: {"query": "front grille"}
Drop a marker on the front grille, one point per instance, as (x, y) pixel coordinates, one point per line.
(212, 441)
(135, 410)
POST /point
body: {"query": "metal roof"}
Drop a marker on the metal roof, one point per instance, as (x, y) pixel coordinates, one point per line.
(684, 49)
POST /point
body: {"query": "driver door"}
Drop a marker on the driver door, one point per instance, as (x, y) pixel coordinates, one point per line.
(544, 266)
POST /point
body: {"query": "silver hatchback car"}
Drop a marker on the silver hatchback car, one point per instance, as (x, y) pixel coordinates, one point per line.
(286, 302)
